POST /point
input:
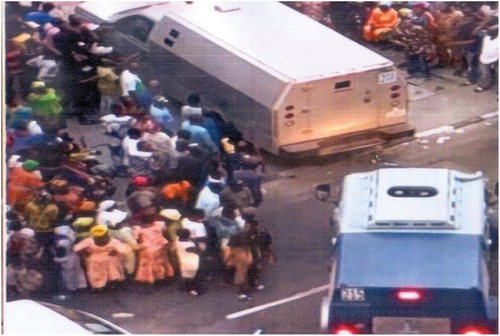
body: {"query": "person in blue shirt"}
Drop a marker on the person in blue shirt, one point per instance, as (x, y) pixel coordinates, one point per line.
(213, 123)
(199, 134)
(41, 17)
(160, 112)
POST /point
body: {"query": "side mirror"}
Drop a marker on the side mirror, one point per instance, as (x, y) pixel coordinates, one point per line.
(323, 192)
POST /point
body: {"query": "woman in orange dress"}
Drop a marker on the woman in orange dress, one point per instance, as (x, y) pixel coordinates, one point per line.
(152, 263)
(103, 257)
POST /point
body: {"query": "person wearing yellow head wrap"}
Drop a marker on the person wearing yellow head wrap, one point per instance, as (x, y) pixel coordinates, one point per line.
(103, 257)
(82, 227)
(98, 231)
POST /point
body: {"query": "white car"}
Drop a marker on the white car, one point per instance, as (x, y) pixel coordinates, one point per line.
(24, 317)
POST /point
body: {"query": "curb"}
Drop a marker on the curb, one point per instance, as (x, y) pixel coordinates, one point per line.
(454, 126)
(477, 119)
(423, 134)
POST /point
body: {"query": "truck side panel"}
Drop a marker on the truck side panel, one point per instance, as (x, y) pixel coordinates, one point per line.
(182, 78)
(340, 105)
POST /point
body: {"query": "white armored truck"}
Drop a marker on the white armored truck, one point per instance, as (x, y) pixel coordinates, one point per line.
(290, 84)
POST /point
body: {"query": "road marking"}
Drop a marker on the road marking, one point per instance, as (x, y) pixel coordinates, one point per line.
(489, 115)
(278, 302)
(434, 131)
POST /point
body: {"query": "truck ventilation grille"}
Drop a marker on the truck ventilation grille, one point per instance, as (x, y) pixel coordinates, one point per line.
(412, 225)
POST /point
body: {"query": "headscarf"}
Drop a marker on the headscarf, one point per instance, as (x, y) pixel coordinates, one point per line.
(98, 231)
(171, 214)
(30, 165)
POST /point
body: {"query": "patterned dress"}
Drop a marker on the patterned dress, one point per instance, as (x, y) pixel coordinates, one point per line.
(152, 263)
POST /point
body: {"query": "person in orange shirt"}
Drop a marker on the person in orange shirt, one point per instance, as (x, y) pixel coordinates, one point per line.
(381, 21)
(22, 184)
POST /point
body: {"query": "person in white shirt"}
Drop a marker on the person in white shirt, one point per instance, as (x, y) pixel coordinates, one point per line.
(130, 81)
(488, 60)
(192, 108)
(129, 145)
(198, 232)
(209, 199)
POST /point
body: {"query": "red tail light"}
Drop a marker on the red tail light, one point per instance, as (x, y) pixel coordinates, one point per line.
(345, 330)
(409, 295)
(474, 331)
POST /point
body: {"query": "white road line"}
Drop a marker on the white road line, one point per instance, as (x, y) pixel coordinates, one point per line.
(276, 303)
(489, 115)
(434, 131)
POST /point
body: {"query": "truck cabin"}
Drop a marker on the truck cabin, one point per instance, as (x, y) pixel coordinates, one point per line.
(411, 254)
(393, 283)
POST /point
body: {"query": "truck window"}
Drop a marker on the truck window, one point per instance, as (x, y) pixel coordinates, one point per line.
(412, 191)
(342, 85)
(136, 26)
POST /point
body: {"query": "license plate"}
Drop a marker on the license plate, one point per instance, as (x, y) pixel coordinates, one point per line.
(409, 325)
(387, 77)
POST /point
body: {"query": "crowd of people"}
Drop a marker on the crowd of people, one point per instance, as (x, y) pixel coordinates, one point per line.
(189, 214)
(461, 35)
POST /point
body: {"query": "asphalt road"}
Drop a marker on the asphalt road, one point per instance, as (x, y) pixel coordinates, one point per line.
(299, 225)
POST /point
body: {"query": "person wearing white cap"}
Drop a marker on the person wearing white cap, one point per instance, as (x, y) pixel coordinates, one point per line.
(171, 218)
(380, 22)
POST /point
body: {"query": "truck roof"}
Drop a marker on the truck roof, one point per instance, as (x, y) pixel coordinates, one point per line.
(395, 199)
(420, 260)
(294, 46)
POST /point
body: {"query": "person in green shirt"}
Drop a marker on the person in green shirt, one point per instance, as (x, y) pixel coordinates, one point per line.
(45, 104)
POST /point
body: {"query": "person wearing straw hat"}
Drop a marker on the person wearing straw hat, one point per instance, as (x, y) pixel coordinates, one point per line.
(102, 255)
(172, 220)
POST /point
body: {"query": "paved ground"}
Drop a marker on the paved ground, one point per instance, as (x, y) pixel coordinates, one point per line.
(300, 224)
